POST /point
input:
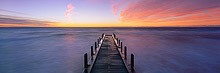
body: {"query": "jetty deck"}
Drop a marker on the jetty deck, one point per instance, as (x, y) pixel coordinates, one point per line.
(108, 57)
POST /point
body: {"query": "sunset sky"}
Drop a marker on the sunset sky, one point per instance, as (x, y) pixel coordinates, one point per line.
(109, 13)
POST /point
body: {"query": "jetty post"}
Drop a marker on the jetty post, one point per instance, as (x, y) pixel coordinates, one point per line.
(92, 51)
(121, 47)
(103, 35)
(95, 45)
(125, 52)
(98, 41)
(85, 60)
(132, 62)
(114, 35)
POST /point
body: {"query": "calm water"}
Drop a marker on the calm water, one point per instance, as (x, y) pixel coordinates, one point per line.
(156, 50)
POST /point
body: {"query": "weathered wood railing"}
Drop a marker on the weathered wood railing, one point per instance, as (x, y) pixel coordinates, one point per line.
(124, 54)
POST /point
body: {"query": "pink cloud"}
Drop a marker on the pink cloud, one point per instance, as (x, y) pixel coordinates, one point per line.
(115, 9)
(101, 0)
(96, 0)
(69, 12)
(117, 5)
(156, 11)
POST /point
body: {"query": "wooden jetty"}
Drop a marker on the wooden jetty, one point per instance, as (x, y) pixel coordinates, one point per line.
(108, 57)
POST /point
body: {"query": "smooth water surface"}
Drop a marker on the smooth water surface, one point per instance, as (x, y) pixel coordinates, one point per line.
(156, 50)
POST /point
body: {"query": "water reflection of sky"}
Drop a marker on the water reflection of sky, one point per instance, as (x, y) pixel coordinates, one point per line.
(60, 50)
(173, 51)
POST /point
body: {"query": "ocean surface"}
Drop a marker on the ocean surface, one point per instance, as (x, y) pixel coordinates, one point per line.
(156, 50)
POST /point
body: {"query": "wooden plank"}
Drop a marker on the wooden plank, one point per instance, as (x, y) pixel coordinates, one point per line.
(109, 59)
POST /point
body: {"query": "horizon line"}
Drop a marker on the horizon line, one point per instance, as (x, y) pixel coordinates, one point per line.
(116, 27)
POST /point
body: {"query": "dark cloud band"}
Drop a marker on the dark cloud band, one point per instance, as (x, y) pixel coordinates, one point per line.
(4, 19)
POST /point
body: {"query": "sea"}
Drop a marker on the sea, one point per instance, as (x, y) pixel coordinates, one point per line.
(155, 49)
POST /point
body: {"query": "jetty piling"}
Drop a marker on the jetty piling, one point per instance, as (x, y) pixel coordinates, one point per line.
(132, 62)
(92, 53)
(85, 60)
(119, 42)
(121, 47)
(125, 52)
(98, 41)
(95, 45)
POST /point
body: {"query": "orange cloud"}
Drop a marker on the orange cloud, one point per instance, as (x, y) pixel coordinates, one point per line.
(69, 12)
(171, 12)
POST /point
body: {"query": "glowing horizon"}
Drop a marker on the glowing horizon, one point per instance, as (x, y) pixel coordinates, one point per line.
(109, 13)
